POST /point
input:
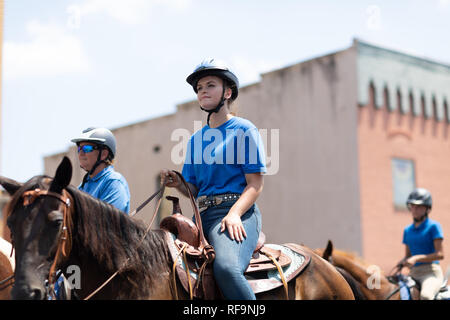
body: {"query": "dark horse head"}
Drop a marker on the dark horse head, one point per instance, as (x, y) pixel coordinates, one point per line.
(36, 222)
(54, 226)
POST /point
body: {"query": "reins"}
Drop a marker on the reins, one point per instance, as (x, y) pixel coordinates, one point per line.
(394, 271)
(4, 283)
(207, 250)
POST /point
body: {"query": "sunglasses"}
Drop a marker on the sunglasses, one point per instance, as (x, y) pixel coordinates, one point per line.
(87, 148)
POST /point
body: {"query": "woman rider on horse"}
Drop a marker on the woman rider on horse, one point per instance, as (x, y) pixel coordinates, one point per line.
(225, 174)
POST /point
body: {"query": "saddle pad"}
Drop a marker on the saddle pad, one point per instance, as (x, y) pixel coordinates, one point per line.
(264, 263)
(296, 261)
(180, 262)
(271, 279)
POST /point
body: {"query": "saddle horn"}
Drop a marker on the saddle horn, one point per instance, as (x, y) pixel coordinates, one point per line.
(176, 204)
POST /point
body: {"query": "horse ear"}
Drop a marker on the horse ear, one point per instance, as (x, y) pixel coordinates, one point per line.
(10, 185)
(63, 176)
(328, 252)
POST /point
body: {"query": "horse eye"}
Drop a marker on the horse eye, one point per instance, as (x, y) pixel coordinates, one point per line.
(55, 217)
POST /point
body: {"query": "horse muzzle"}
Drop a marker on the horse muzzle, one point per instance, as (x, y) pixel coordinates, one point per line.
(23, 291)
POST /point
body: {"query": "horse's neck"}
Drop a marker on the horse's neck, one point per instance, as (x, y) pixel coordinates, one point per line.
(356, 270)
(94, 273)
(361, 273)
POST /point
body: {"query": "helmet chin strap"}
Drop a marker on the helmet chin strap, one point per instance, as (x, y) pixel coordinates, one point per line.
(419, 219)
(422, 217)
(217, 108)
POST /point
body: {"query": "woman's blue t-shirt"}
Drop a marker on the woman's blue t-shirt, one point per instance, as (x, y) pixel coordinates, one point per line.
(217, 159)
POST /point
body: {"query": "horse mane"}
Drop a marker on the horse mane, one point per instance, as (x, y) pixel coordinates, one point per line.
(111, 237)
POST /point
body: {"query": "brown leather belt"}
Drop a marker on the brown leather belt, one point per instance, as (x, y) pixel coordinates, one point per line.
(209, 201)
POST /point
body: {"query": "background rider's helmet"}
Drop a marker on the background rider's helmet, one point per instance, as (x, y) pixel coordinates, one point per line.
(99, 136)
(420, 196)
(213, 67)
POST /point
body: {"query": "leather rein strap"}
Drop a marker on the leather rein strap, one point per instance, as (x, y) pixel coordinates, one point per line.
(207, 249)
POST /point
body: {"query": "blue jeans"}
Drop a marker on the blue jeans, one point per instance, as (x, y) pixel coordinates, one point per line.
(232, 257)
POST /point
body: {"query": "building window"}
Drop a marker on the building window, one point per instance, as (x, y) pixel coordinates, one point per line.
(386, 98)
(446, 114)
(372, 95)
(403, 180)
(400, 102)
(411, 103)
(156, 148)
(423, 107)
(435, 112)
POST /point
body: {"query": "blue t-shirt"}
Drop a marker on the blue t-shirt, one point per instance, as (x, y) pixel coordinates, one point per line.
(109, 186)
(217, 159)
(420, 239)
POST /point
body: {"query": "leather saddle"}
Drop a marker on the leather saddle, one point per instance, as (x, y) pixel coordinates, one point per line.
(183, 240)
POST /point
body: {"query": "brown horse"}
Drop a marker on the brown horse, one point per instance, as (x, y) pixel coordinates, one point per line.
(55, 226)
(373, 284)
(6, 269)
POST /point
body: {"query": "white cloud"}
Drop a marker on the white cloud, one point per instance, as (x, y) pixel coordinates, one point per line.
(128, 12)
(51, 51)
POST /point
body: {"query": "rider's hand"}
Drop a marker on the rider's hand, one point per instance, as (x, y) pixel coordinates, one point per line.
(411, 261)
(169, 178)
(401, 264)
(233, 223)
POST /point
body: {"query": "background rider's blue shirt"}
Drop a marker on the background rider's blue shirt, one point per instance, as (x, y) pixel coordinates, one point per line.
(109, 186)
(420, 240)
(217, 159)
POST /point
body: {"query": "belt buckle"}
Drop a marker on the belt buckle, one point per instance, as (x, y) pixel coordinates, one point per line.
(201, 201)
(217, 201)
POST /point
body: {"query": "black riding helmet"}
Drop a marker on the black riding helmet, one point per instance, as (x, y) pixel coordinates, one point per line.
(212, 67)
(420, 196)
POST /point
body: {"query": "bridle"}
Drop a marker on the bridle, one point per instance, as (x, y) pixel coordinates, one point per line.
(65, 239)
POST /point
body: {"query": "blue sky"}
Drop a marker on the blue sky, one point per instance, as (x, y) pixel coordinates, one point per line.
(71, 64)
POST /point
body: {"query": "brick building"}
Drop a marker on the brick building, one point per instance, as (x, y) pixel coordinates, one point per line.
(348, 135)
